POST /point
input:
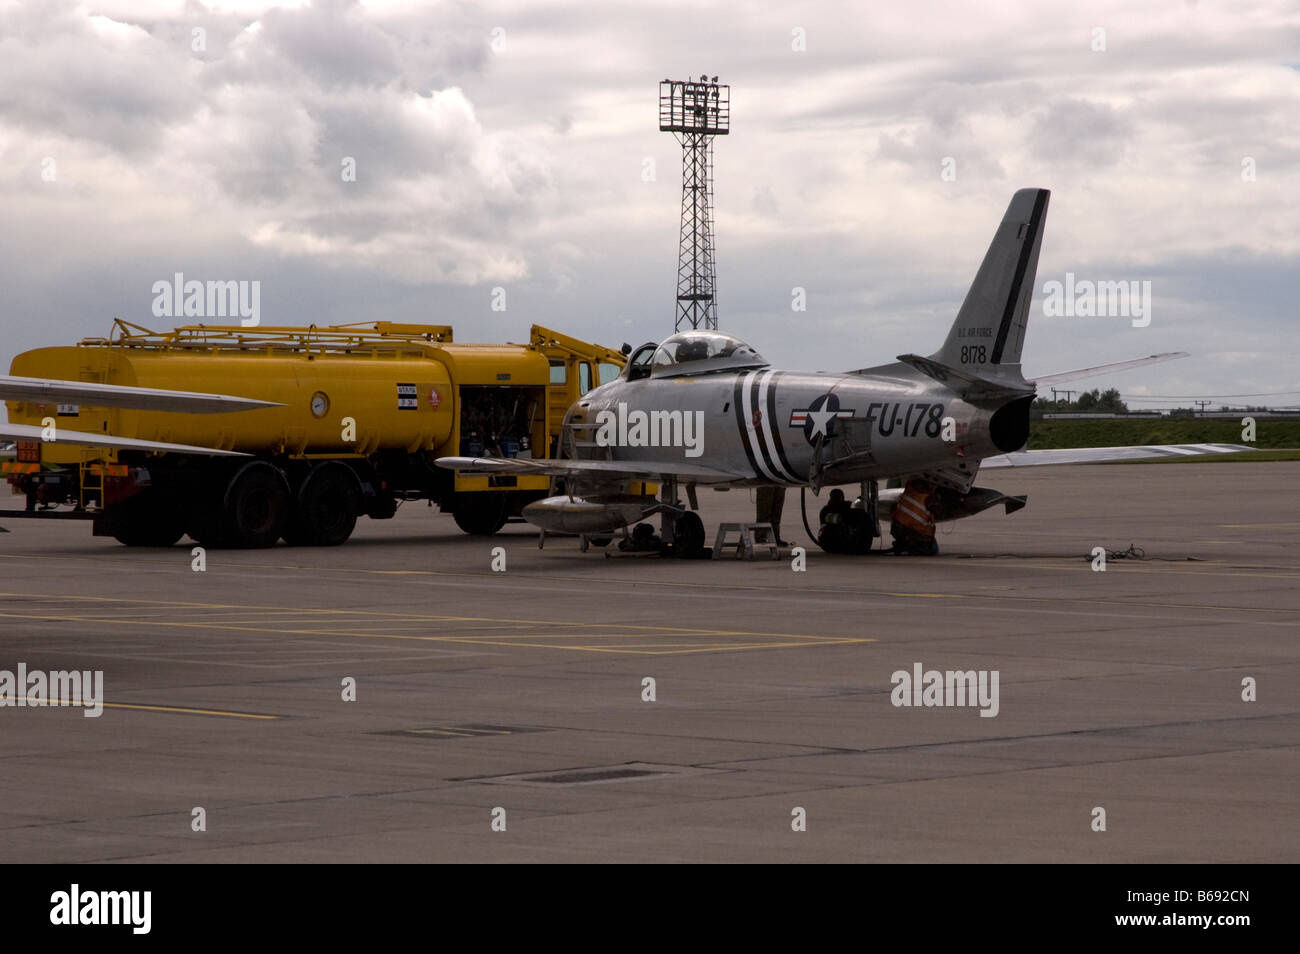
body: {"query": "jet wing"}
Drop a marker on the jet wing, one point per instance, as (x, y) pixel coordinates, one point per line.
(610, 469)
(47, 391)
(1101, 455)
(30, 432)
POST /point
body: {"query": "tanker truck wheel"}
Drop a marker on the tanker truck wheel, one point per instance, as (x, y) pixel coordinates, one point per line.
(481, 514)
(252, 513)
(327, 509)
(257, 507)
(149, 519)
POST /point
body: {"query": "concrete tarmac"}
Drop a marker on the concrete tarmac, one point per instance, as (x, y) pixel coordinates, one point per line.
(517, 696)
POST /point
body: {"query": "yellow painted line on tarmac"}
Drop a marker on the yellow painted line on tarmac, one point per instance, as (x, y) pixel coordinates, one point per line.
(411, 617)
(449, 637)
(1084, 597)
(687, 652)
(1256, 526)
(709, 640)
(188, 711)
(37, 704)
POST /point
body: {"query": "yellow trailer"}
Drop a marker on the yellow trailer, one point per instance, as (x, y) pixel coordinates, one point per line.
(365, 410)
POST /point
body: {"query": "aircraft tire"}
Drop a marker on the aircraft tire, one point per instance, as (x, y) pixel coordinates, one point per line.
(688, 535)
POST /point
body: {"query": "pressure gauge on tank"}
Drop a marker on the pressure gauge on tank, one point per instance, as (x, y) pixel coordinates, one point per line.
(320, 404)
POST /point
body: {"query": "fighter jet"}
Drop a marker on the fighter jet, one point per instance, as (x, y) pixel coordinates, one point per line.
(705, 409)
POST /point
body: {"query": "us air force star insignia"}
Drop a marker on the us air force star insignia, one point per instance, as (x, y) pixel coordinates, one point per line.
(819, 418)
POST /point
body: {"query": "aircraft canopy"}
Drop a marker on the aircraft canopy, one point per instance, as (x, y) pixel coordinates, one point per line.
(703, 352)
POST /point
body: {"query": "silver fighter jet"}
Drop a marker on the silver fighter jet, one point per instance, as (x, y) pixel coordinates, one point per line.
(704, 408)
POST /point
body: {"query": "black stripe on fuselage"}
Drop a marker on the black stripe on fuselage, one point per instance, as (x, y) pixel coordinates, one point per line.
(738, 399)
(774, 424)
(761, 429)
(1031, 236)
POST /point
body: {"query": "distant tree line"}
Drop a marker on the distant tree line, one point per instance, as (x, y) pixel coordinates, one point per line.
(1088, 402)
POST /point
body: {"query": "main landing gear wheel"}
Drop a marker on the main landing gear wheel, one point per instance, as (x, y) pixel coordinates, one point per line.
(688, 535)
(327, 508)
(587, 541)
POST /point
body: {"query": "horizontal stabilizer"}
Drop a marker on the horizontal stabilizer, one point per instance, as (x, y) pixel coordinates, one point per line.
(1063, 377)
(54, 391)
(1102, 455)
(30, 432)
(970, 386)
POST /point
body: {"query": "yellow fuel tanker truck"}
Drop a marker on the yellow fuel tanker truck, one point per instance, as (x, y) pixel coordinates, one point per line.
(364, 412)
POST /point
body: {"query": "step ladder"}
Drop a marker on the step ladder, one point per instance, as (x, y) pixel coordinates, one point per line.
(749, 537)
(90, 478)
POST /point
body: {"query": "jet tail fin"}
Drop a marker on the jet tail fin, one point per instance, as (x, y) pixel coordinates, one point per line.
(987, 337)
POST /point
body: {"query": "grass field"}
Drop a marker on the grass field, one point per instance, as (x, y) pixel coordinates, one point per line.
(1271, 434)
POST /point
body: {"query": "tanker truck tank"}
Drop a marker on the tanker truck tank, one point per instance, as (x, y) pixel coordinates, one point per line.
(363, 411)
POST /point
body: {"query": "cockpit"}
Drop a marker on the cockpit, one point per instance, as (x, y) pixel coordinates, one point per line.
(694, 352)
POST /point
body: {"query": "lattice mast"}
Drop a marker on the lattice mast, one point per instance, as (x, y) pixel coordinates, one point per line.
(696, 111)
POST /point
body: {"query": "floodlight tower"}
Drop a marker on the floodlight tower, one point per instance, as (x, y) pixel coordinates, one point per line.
(696, 111)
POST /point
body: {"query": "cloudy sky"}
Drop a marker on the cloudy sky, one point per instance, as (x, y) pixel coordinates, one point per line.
(506, 144)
